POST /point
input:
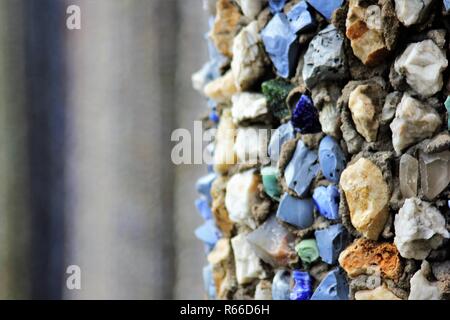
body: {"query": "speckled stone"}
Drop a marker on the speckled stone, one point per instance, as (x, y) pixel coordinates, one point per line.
(331, 241)
(333, 287)
(331, 159)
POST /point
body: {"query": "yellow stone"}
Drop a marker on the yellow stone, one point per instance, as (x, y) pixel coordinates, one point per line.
(224, 155)
(379, 293)
(364, 113)
(221, 89)
(367, 196)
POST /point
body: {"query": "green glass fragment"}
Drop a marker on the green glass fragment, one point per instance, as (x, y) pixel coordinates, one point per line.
(447, 106)
(270, 182)
(276, 92)
(307, 250)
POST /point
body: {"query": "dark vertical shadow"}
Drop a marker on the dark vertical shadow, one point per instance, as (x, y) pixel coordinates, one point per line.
(46, 91)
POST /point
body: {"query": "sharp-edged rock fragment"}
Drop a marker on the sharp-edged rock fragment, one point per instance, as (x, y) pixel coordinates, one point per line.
(221, 89)
(365, 112)
(224, 154)
(296, 212)
(307, 251)
(305, 116)
(333, 287)
(331, 241)
(326, 201)
(422, 64)
(248, 106)
(282, 134)
(325, 7)
(251, 144)
(248, 266)
(408, 175)
(367, 196)
(369, 257)
(276, 91)
(411, 12)
(419, 228)
(331, 159)
(263, 290)
(421, 288)
(302, 289)
(251, 8)
(379, 293)
(270, 182)
(281, 286)
(434, 173)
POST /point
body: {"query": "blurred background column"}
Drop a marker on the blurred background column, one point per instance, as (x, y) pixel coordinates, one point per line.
(15, 224)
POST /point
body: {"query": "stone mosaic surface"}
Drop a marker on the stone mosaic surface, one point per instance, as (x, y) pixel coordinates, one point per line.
(351, 200)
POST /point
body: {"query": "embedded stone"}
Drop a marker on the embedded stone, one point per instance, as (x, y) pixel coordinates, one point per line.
(273, 243)
(422, 64)
(251, 144)
(263, 290)
(419, 228)
(364, 113)
(326, 201)
(379, 293)
(222, 88)
(302, 289)
(270, 182)
(434, 173)
(281, 44)
(409, 175)
(307, 251)
(411, 12)
(325, 7)
(208, 282)
(203, 208)
(364, 29)
(251, 8)
(297, 212)
(421, 288)
(301, 170)
(300, 18)
(276, 5)
(218, 208)
(248, 266)
(282, 134)
(305, 117)
(414, 121)
(367, 196)
(208, 233)
(276, 91)
(249, 59)
(226, 25)
(331, 241)
(325, 97)
(333, 287)
(240, 196)
(204, 184)
(281, 286)
(224, 154)
(247, 106)
(369, 257)
(331, 159)
(325, 58)
(447, 106)
(220, 258)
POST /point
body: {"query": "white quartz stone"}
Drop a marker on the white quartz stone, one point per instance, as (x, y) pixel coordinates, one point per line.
(241, 194)
(251, 8)
(248, 106)
(413, 123)
(419, 228)
(248, 266)
(249, 59)
(409, 175)
(251, 144)
(421, 288)
(263, 290)
(410, 12)
(434, 173)
(422, 64)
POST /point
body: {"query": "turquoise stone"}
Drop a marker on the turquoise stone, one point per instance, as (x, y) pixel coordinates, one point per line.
(270, 182)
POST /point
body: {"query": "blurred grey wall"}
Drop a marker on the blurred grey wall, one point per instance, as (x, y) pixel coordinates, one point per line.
(94, 184)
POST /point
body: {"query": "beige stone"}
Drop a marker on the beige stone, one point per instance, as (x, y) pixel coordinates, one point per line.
(221, 259)
(249, 58)
(220, 213)
(364, 31)
(379, 293)
(248, 106)
(367, 196)
(371, 258)
(421, 287)
(248, 266)
(251, 144)
(414, 121)
(221, 89)
(227, 23)
(364, 113)
(224, 155)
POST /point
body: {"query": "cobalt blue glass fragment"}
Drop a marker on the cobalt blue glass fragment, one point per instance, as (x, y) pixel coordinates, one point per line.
(276, 5)
(208, 282)
(204, 184)
(281, 285)
(214, 117)
(282, 134)
(305, 117)
(333, 287)
(203, 208)
(281, 44)
(208, 233)
(302, 289)
(301, 170)
(331, 158)
(297, 212)
(331, 241)
(325, 7)
(300, 18)
(326, 201)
